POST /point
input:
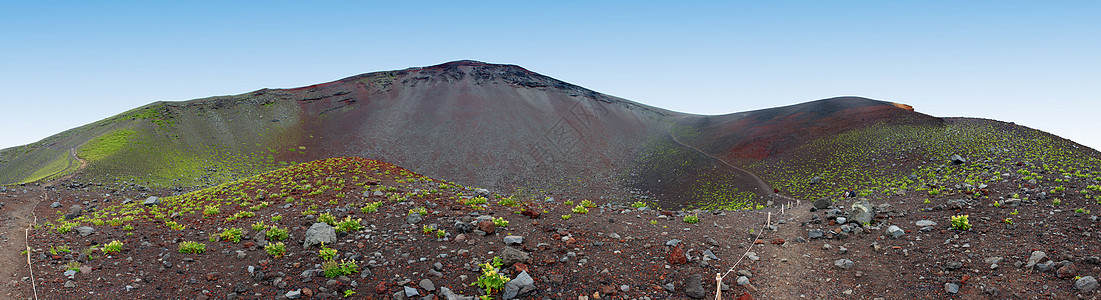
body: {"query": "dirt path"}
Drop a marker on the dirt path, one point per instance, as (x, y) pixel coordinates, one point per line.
(16, 217)
(83, 163)
(768, 190)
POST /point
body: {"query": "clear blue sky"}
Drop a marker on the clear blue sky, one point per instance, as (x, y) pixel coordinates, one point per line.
(68, 63)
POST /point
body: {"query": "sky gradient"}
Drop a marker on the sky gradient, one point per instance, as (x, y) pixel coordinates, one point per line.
(68, 63)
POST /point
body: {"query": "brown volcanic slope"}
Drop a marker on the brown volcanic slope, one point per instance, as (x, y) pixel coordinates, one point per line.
(485, 125)
(755, 135)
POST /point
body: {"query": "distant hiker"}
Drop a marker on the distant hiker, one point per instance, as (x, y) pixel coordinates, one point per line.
(776, 191)
(850, 193)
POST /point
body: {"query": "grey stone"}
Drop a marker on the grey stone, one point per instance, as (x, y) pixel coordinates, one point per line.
(70, 284)
(447, 294)
(742, 280)
(672, 242)
(953, 265)
(624, 288)
(463, 227)
(951, 288)
(1086, 284)
(710, 255)
(319, 233)
(842, 220)
(823, 203)
(413, 218)
(895, 231)
(482, 192)
(669, 287)
(151, 201)
(74, 212)
(411, 292)
(815, 234)
(514, 240)
(295, 294)
(1045, 266)
(70, 273)
(843, 264)
(378, 194)
(957, 159)
(519, 286)
(693, 286)
(863, 211)
(260, 239)
(1035, 258)
(55, 204)
(816, 180)
(510, 256)
(427, 285)
(924, 223)
(85, 230)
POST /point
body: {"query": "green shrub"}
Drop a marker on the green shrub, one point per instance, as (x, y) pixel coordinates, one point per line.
(258, 226)
(211, 210)
(334, 269)
(509, 202)
(173, 225)
(326, 253)
(587, 203)
(371, 207)
(692, 219)
(327, 219)
(276, 233)
(276, 249)
(960, 222)
(348, 224)
(501, 222)
(639, 204)
(60, 249)
(490, 279)
(580, 210)
(232, 235)
(192, 247)
(112, 247)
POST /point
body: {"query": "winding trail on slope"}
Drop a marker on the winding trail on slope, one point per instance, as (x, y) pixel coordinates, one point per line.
(786, 267)
(17, 218)
(760, 183)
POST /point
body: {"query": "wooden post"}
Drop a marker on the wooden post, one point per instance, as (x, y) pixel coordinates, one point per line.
(718, 287)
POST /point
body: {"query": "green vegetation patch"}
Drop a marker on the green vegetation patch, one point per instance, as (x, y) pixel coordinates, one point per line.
(106, 145)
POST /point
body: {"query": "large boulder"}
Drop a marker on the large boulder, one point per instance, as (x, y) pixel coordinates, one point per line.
(319, 233)
(1086, 284)
(522, 285)
(957, 159)
(151, 201)
(862, 212)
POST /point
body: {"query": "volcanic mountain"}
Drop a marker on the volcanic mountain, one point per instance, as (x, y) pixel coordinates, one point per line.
(486, 125)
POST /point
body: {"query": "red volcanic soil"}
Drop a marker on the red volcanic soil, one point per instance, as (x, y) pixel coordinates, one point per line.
(759, 134)
(613, 251)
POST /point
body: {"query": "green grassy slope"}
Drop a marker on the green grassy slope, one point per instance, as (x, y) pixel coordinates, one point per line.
(878, 160)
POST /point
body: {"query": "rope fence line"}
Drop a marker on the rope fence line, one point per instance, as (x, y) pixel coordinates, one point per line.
(768, 221)
(27, 239)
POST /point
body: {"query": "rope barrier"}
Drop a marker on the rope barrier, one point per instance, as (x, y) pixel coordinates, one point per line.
(27, 239)
(719, 277)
